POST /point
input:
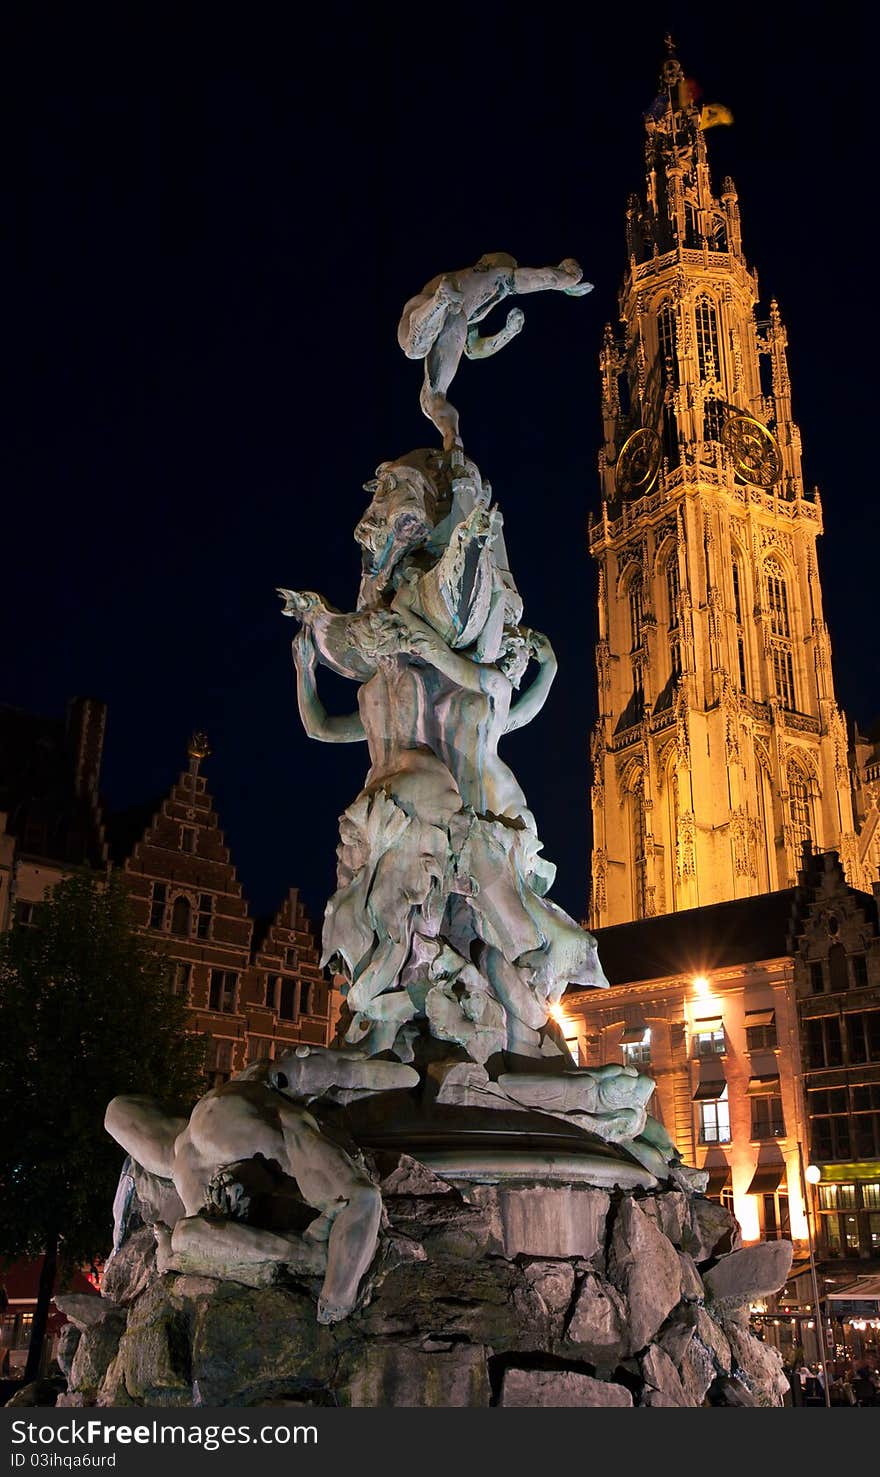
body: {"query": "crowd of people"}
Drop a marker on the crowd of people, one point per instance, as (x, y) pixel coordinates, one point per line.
(849, 1384)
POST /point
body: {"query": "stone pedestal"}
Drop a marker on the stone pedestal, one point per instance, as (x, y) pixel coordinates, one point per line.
(480, 1294)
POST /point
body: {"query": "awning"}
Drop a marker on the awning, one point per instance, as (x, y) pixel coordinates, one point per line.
(767, 1084)
(709, 1023)
(766, 1179)
(719, 1178)
(760, 1018)
(633, 1034)
(865, 1290)
(710, 1087)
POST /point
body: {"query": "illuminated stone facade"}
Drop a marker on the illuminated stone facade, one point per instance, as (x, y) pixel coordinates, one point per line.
(719, 747)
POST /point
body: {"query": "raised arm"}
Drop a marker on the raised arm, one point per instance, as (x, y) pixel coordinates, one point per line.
(564, 278)
(317, 723)
(532, 701)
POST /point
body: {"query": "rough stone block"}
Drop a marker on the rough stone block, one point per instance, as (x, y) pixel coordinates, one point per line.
(759, 1365)
(713, 1231)
(248, 1343)
(392, 1375)
(553, 1283)
(662, 1383)
(754, 1271)
(538, 1387)
(692, 1289)
(552, 1221)
(669, 1212)
(645, 1266)
(400, 1174)
(131, 1270)
(599, 1323)
(95, 1352)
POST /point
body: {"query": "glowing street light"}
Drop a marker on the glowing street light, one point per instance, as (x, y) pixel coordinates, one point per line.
(812, 1174)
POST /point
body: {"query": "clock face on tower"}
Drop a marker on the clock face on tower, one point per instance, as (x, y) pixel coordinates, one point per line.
(638, 464)
(754, 451)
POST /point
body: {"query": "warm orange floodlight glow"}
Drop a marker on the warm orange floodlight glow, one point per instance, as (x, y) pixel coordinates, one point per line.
(558, 1015)
(701, 985)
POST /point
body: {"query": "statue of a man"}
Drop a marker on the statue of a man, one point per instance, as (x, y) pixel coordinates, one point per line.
(438, 324)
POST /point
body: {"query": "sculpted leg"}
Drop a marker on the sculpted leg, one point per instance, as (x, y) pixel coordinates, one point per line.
(330, 1181)
(145, 1132)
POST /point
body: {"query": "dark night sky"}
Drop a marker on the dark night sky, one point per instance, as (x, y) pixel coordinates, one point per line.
(211, 234)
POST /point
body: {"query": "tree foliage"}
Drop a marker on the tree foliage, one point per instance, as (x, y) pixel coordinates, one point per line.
(86, 1011)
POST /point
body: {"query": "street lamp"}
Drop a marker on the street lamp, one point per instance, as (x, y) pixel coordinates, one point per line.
(812, 1175)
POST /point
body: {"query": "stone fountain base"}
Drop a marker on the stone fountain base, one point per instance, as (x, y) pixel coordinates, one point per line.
(511, 1294)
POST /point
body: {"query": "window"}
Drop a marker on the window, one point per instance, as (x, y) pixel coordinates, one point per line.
(206, 911)
(273, 983)
(859, 971)
(715, 1120)
(740, 634)
(767, 1118)
(783, 677)
(848, 1222)
(219, 1061)
(181, 915)
(777, 599)
(707, 339)
(224, 984)
(775, 1219)
(673, 589)
(640, 860)
(667, 338)
(824, 1045)
(182, 979)
(24, 914)
(638, 1053)
(291, 958)
(188, 838)
(800, 811)
(713, 419)
(817, 977)
(863, 1036)
(157, 905)
(306, 1002)
(635, 611)
(709, 1042)
(761, 1038)
(287, 1000)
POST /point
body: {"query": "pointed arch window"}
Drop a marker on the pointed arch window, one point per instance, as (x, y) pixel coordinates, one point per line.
(799, 806)
(707, 339)
(673, 589)
(636, 611)
(740, 631)
(777, 599)
(667, 339)
(713, 418)
(639, 849)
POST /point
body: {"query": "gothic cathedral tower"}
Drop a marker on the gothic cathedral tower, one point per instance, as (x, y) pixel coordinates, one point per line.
(719, 747)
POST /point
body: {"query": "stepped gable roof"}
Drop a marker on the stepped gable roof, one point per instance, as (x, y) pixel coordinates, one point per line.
(125, 828)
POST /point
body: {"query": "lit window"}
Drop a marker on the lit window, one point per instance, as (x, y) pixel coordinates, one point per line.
(799, 807)
(709, 1042)
(715, 1119)
(638, 1053)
